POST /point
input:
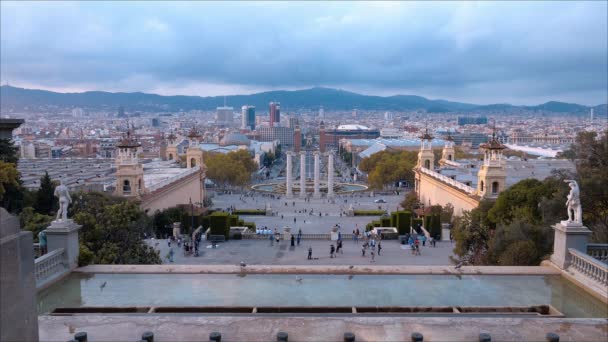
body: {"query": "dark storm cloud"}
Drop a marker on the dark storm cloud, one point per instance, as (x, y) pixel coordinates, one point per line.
(480, 52)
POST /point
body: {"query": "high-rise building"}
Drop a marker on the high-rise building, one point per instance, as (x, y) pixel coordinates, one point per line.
(293, 121)
(77, 112)
(591, 114)
(248, 117)
(355, 113)
(275, 113)
(284, 135)
(224, 115)
(388, 116)
(321, 113)
(471, 120)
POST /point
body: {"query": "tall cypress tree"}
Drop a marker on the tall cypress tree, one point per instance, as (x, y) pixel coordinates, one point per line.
(46, 203)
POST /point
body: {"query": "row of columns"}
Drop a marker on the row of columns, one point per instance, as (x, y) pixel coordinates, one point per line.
(317, 171)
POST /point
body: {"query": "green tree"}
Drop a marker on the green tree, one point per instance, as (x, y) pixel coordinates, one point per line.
(11, 188)
(388, 167)
(9, 177)
(472, 233)
(521, 198)
(33, 221)
(447, 212)
(538, 236)
(112, 230)
(46, 202)
(590, 153)
(519, 253)
(410, 202)
(232, 169)
(8, 152)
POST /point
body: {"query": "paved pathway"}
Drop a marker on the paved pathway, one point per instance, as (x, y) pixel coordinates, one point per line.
(260, 252)
(310, 224)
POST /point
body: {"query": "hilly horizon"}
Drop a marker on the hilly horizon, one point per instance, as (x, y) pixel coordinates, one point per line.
(15, 99)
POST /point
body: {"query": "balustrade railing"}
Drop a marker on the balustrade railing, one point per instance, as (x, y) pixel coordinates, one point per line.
(599, 251)
(589, 266)
(448, 180)
(49, 265)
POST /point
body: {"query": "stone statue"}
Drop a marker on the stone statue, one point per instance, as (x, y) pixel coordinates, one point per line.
(64, 200)
(575, 211)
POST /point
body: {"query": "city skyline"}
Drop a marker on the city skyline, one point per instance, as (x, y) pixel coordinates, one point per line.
(490, 52)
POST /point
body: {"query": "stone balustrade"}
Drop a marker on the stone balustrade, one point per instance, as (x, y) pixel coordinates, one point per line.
(598, 251)
(469, 190)
(589, 266)
(50, 266)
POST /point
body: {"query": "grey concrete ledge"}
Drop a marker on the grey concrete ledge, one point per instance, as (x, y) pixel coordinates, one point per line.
(320, 269)
(235, 328)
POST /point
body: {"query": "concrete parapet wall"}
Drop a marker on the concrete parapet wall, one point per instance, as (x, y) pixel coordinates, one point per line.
(305, 269)
(324, 328)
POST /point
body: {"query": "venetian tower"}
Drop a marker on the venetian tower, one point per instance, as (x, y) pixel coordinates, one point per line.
(492, 175)
(129, 171)
(171, 151)
(426, 158)
(448, 152)
(194, 154)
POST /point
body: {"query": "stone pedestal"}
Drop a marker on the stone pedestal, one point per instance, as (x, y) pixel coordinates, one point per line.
(64, 234)
(334, 233)
(18, 311)
(289, 176)
(568, 235)
(317, 192)
(330, 175)
(177, 229)
(302, 174)
(287, 233)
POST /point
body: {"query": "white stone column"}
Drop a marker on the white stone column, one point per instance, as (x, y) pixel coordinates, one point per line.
(302, 174)
(330, 174)
(289, 176)
(317, 193)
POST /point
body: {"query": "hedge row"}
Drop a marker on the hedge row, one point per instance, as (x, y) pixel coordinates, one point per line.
(249, 212)
(369, 212)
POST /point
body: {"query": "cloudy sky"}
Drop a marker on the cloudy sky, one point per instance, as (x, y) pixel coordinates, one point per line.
(479, 52)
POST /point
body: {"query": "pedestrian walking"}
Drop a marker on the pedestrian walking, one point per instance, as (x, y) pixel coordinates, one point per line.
(423, 238)
(363, 251)
(332, 250)
(379, 248)
(339, 249)
(293, 240)
(271, 238)
(310, 253)
(298, 239)
(373, 255)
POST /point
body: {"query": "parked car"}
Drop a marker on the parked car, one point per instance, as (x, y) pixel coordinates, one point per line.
(380, 200)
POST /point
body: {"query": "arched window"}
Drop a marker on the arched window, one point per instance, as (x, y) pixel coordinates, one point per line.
(449, 157)
(126, 186)
(139, 185)
(494, 187)
(170, 156)
(192, 162)
(427, 164)
(481, 186)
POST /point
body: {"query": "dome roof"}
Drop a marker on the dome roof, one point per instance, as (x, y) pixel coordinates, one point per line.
(353, 127)
(234, 139)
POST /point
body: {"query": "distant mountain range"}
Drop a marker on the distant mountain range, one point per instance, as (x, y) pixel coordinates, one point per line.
(18, 99)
